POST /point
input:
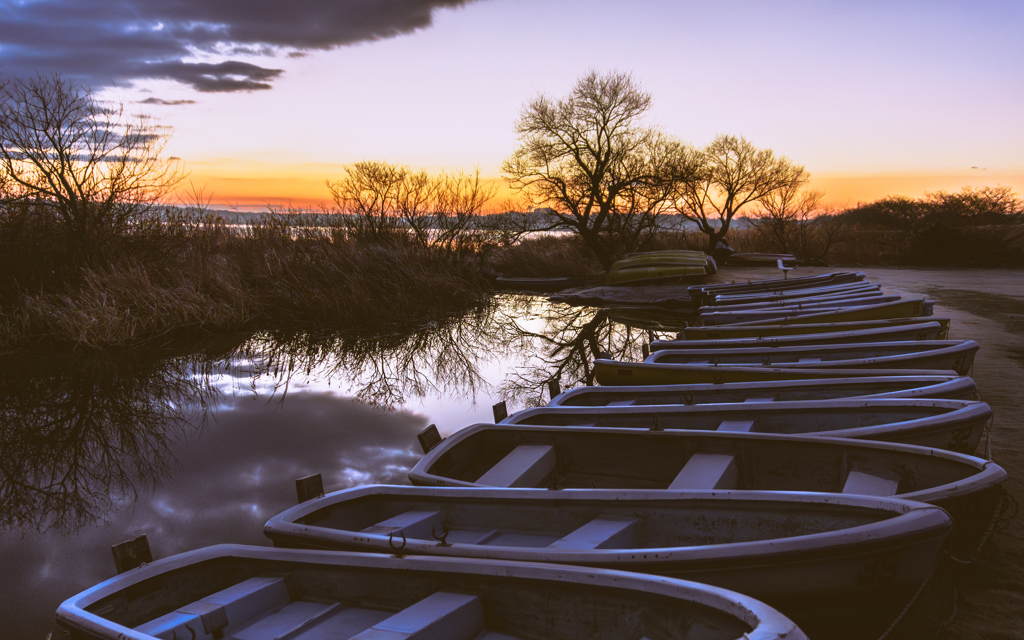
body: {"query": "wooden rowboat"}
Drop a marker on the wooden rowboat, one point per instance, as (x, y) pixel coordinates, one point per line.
(774, 330)
(804, 554)
(900, 309)
(957, 355)
(955, 425)
(895, 333)
(507, 455)
(613, 373)
(795, 293)
(820, 300)
(767, 311)
(949, 387)
(702, 293)
(254, 593)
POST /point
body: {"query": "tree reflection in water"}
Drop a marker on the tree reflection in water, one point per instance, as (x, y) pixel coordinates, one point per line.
(82, 434)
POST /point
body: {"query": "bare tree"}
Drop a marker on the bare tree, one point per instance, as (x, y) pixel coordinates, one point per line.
(728, 175)
(780, 214)
(381, 199)
(589, 158)
(98, 170)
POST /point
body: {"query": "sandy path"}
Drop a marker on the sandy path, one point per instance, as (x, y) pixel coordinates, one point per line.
(985, 305)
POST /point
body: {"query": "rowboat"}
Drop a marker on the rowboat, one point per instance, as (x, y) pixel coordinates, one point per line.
(774, 330)
(649, 318)
(257, 593)
(760, 259)
(765, 311)
(914, 308)
(634, 275)
(949, 387)
(955, 425)
(832, 299)
(508, 455)
(895, 333)
(617, 373)
(688, 259)
(803, 554)
(957, 355)
(703, 292)
(794, 293)
(538, 284)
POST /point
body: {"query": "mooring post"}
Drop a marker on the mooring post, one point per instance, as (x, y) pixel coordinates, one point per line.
(131, 553)
(500, 411)
(309, 487)
(429, 438)
(554, 388)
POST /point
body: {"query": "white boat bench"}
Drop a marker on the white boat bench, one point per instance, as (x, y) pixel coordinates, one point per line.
(707, 471)
(441, 616)
(412, 524)
(870, 484)
(600, 534)
(738, 426)
(528, 465)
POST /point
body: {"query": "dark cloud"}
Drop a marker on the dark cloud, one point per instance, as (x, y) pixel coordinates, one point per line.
(169, 103)
(109, 41)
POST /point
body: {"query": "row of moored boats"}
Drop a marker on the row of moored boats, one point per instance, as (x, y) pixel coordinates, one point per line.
(809, 446)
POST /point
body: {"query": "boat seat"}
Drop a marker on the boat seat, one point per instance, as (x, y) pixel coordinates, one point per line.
(414, 524)
(809, 360)
(528, 465)
(867, 483)
(760, 399)
(441, 616)
(222, 613)
(291, 621)
(600, 534)
(621, 403)
(741, 426)
(707, 471)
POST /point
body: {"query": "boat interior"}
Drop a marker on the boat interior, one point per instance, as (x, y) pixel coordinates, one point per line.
(595, 458)
(586, 524)
(269, 600)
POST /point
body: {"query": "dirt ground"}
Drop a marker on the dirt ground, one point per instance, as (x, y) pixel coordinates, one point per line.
(985, 305)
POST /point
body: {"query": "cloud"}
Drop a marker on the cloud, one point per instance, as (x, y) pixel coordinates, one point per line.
(101, 42)
(169, 103)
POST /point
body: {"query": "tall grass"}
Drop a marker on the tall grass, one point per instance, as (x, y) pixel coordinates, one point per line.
(188, 273)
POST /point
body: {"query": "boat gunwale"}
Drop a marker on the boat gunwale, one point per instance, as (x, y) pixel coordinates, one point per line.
(903, 514)
(987, 473)
(766, 622)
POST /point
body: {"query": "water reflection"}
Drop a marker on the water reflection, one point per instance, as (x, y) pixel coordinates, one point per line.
(199, 443)
(80, 434)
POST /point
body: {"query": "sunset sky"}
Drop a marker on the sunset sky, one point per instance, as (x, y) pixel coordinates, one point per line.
(266, 99)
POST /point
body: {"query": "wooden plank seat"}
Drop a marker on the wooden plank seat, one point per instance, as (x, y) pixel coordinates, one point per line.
(440, 616)
(222, 613)
(867, 483)
(707, 471)
(600, 534)
(528, 465)
(413, 524)
(760, 399)
(740, 426)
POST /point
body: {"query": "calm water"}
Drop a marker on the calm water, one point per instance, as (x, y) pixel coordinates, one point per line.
(200, 444)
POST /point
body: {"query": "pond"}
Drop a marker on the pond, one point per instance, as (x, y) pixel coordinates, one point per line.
(200, 443)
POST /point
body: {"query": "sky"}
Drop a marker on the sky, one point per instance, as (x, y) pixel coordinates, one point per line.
(265, 99)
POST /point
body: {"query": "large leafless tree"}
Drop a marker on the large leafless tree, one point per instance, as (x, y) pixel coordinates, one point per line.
(590, 159)
(727, 176)
(94, 167)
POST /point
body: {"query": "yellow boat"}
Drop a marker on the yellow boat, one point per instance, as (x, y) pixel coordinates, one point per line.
(619, 374)
(636, 275)
(775, 330)
(660, 261)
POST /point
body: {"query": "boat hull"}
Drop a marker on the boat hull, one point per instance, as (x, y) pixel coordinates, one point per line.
(776, 330)
(525, 600)
(822, 568)
(916, 331)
